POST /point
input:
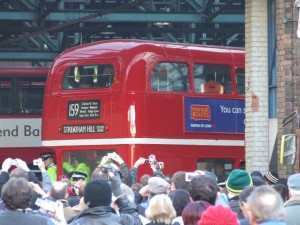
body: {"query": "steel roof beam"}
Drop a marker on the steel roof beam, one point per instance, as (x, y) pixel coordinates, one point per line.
(26, 56)
(65, 16)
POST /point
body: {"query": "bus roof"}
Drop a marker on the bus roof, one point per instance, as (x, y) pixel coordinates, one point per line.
(117, 46)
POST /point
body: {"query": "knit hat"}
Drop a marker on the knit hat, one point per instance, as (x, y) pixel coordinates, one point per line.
(97, 193)
(218, 215)
(156, 185)
(271, 177)
(238, 180)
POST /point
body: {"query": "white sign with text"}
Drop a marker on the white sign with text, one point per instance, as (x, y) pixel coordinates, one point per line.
(20, 132)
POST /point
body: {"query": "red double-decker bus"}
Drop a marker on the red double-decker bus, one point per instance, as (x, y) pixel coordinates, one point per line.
(183, 103)
(21, 100)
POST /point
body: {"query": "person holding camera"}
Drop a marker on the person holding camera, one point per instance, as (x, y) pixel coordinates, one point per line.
(48, 160)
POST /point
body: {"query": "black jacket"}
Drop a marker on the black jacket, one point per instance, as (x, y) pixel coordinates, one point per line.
(13, 217)
(101, 215)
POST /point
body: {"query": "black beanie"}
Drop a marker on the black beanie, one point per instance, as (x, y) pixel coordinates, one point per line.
(97, 193)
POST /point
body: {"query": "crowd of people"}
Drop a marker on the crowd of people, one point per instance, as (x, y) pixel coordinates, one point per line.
(113, 195)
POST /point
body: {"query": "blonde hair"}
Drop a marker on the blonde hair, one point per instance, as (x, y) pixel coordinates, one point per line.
(161, 209)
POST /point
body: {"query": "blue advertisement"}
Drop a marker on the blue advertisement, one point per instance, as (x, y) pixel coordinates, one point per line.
(214, 115)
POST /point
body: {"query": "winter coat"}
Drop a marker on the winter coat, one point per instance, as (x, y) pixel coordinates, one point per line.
(234, 204)
(101, 215)
(292, 209)
(273, 222)
(13, 217)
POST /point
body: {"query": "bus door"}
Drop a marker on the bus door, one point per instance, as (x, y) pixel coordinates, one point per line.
(85, 99)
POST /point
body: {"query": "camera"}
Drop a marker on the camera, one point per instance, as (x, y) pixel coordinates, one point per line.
(151, 159)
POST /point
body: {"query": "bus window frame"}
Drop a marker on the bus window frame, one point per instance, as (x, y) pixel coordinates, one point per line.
(16, 89)
(236, 77)
(105, 61)
(153, 64)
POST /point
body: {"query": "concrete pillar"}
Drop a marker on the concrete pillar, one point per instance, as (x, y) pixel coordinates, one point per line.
(256, 133)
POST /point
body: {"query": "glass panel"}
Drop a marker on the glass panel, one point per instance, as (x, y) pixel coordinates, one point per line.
(89, 76)
(6, 93)
(212, 79)
(82, 161)
(240, 81)
(168, 77)
(220, 167)
(30, 93)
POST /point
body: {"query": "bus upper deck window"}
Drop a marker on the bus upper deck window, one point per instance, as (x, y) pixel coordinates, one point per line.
(168, 77)
(212, 79)
(240, 74)
(89, 76)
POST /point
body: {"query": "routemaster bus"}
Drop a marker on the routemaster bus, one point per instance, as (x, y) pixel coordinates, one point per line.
(21, 100)
(184, 103)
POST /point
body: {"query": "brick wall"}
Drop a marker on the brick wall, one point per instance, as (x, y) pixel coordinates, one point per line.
(256, 136)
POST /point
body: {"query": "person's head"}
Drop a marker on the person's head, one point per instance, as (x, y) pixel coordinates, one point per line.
(282, 190)
(58, 190)
(97, 193)
(178, 181)
(192, 212)
(243, 199)
(78, 181)
(204, 188)
(144, 179)
(258, 181)
(47, 158)
(180, 198)
(19, 173)
(157, 185)
(264, 203)
(256, 173)
(17, 194)
(236, 182)
(160, 209)
(294, 185)
(218, 215)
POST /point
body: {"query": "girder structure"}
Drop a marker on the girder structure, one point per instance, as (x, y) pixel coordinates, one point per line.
(37, 30)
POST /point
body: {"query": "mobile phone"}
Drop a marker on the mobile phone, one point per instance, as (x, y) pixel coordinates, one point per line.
(46, 204)
(190, 175)
(14, 162)
(37, 162)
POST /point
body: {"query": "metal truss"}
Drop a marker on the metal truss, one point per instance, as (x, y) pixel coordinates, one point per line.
(37, 30)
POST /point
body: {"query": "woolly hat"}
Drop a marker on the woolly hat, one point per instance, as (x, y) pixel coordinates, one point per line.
(218, 215)
(97, 193)
(156, 185)
(46, 155)
(238, 180)
(271, 177)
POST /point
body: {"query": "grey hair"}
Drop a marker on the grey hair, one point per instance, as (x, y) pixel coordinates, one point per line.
(265, 203)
